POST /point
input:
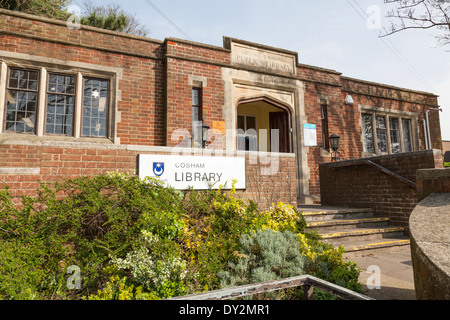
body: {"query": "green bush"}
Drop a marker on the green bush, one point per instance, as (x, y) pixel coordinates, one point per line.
(79, 222)
(134, 239)
(265, 255)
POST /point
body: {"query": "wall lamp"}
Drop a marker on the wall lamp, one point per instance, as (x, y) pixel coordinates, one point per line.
(348, 100)
(334, 144)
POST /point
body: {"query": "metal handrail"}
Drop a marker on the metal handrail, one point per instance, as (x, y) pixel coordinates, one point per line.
(306, 281)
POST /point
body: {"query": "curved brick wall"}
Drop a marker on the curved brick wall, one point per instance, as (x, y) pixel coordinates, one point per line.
(430, 247)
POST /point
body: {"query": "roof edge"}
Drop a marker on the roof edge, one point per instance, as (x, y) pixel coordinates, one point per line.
(389, 86)
(83, 27)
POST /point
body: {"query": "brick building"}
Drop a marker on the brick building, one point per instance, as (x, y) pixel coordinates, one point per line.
(446, 151)
(84, 101)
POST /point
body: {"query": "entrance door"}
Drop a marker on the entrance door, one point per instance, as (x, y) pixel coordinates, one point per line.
(280, 121)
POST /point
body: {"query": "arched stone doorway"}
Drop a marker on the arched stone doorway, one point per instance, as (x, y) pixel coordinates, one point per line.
(263, 124)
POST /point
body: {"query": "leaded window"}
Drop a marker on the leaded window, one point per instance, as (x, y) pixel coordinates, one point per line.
(407, 135)
(394, 131)
(386, 133)
(367, 132)
(95, 107)
(60, 104)
(49, 102)
(324, 120)
(197, 116)
(381, 134)
(21, 100)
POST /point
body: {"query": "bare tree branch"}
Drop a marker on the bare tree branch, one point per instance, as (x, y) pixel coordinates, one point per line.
(420, 14)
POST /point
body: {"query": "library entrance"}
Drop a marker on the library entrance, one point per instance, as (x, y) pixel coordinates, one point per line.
(263, 125)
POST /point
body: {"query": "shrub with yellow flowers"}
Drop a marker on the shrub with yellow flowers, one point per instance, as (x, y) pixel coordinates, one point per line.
(162, 242)
(281, 217)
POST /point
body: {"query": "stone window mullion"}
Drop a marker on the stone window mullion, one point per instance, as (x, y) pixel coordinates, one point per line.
(41, 105)
(374, 128)
(388, 135)
(3, 79)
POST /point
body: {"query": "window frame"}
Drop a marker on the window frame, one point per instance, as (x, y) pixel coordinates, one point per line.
(363, 132)
(108, 106)
(387, 115)
(199, 106)
(5, 102)
(402, 134)
(245, 135)
(386, 131)
(74, 114)
(44, 71)
(324, 123)
(391, 147)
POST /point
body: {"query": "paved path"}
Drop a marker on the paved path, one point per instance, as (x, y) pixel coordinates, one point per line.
(396, 275)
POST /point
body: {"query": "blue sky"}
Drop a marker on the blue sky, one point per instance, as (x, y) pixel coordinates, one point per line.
(326, 33)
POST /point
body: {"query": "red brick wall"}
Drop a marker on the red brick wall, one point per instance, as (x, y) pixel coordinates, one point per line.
(273, 188)
(344, 120)
(154, 93)
(313, 114)
(186, 60)
(433, 181)
(142, 86)
(57, 163)
(381, 96)
(364, 186)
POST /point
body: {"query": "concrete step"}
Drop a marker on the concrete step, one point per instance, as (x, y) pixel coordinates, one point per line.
(371, 247)
(357, 229)
(339, 224)
(331, 214)
(349, 236)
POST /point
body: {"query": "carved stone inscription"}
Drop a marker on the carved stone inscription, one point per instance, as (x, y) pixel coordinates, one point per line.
(262, 59)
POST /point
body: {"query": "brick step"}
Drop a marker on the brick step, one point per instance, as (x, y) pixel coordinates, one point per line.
(385, 245)
(348, 236)
(339, 224)
(321, 215)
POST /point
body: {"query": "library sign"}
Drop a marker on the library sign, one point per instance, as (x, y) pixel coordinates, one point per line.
(198, 172)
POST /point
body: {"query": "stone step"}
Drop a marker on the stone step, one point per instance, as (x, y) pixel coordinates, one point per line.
(349, 236)
(371, 247)
(357, 229)
(321, 215)
(339, 224)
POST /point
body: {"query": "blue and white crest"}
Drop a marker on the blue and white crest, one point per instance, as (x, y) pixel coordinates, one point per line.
(158, 168)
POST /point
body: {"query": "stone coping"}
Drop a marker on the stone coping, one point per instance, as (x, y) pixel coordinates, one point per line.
(83, 27)
(102, 143)
(433, 174)
(430, 228)
(386, 156)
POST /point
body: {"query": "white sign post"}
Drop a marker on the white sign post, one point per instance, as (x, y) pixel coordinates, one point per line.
(198, 172)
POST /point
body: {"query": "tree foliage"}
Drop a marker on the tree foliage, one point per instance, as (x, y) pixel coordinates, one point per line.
(420, 14)
(47, 8)
(112, 17)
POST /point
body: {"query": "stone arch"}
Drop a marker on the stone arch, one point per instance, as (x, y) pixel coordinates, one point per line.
(268, 114)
